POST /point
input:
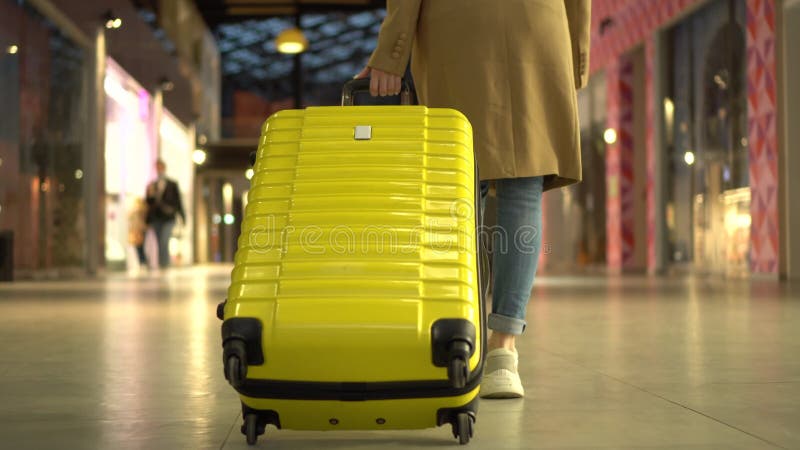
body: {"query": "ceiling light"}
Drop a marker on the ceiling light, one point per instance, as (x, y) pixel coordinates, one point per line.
(291, 41)
(112, 21)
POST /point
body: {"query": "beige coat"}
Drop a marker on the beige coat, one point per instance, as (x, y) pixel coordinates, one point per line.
(511, 66)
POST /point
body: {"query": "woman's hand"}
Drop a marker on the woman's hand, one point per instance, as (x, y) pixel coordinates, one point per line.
(381, 83)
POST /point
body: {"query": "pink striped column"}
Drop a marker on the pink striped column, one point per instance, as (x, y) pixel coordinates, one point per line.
(651, 103)
(619, 166)
(763, 137)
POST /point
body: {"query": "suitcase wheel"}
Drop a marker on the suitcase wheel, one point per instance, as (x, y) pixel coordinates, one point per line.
(250, 428)
(458, 372)
(457, 364)
(463, 427)
(235, 371)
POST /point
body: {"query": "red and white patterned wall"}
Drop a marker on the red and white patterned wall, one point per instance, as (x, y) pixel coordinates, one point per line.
(763, 137)
(632, 22)
(619, 166)
(628, 23)
(650, 146)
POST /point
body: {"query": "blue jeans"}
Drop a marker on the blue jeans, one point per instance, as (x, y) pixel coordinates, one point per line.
(163, 230)
(516, 245)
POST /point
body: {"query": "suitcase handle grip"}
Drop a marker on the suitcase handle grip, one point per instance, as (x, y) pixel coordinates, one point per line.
(362, 85)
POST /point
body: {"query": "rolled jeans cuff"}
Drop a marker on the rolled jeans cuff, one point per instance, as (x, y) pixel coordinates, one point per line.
(505, 324)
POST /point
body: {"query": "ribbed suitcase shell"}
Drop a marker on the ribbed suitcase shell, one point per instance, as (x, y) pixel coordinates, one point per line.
(351, 249)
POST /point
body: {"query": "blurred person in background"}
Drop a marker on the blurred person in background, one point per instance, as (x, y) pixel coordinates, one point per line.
(163, 206)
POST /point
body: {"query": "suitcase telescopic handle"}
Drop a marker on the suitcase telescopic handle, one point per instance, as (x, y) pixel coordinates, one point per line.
(362, 85)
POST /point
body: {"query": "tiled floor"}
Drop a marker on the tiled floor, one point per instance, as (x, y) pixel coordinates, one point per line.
(607, 363)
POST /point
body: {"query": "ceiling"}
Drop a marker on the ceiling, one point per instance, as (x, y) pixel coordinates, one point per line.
(339, 45)
(341, 35)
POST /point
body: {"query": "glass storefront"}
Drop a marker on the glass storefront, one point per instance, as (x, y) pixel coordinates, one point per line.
(131, 150)
(43, 140)
(131, 153)
(705, 110)
(574, 217)
(591, 193)
(222, 202)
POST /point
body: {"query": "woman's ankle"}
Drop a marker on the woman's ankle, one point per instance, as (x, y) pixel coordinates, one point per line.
(501, 340)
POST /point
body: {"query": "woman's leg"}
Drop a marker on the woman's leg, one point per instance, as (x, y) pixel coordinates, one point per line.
(517, 243)
(515, 254)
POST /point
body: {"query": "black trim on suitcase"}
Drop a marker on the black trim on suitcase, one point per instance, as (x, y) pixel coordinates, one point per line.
(353, 391)
(482, 265)
(445, 332)
(248, 331)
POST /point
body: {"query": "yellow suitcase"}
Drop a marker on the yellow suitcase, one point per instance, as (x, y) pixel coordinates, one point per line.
(355, 299)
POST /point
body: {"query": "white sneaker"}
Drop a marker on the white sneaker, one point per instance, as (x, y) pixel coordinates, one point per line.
(501, 378)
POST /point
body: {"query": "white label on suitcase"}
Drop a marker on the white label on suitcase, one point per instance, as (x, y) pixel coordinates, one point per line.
(363, 132)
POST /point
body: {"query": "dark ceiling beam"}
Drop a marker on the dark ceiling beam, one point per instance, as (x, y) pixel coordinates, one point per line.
(216, 6)
(217, 12)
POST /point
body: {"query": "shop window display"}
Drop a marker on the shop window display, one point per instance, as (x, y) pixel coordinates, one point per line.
(134, 141)
(43, 140)
(130, 150)
(591, 193)
(705, 108)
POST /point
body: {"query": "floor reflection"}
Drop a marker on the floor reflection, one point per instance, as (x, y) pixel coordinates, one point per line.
(606, 362)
